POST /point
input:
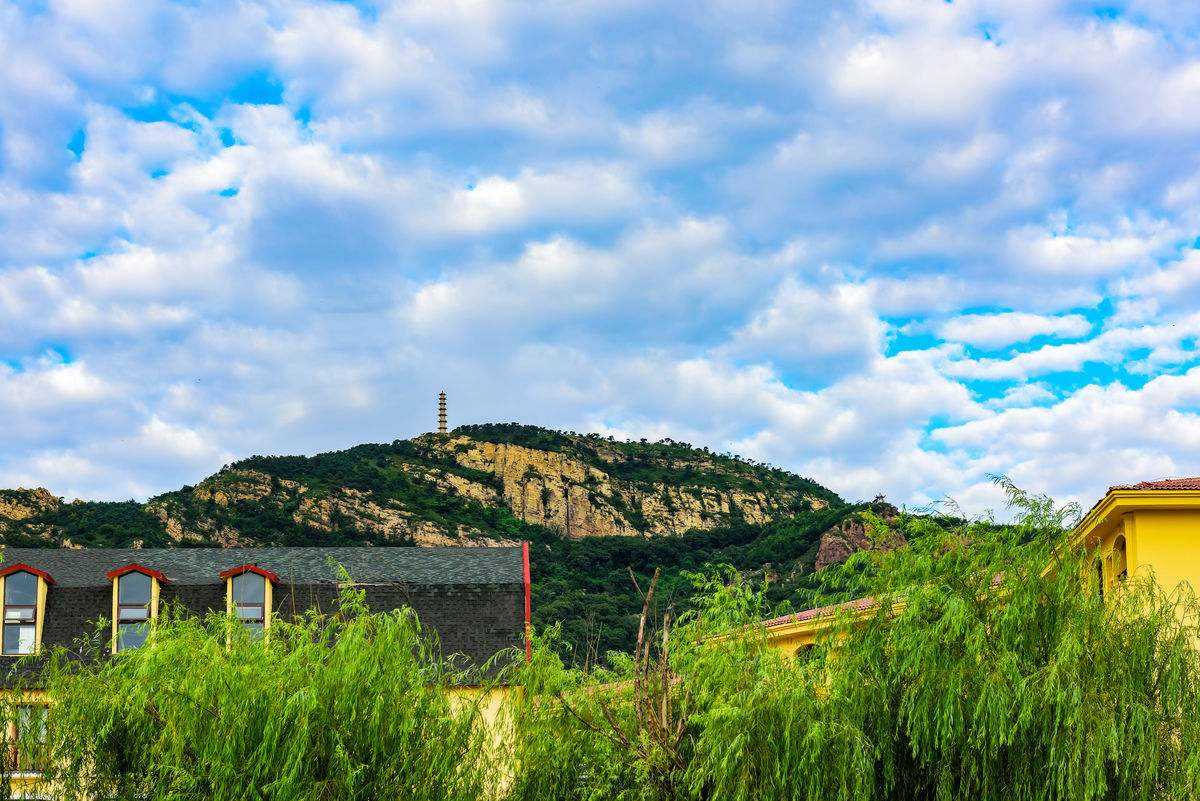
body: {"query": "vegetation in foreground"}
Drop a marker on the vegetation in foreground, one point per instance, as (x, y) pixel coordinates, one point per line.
(979, 673)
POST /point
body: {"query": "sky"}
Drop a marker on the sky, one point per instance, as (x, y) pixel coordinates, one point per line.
(897, 246)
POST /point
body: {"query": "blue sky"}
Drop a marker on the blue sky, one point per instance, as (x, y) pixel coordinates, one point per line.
(893, 245)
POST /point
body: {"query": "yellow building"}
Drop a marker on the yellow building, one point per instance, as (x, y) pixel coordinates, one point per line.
(1151, 528)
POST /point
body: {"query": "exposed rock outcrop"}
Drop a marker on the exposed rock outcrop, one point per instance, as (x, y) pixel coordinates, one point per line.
(562, 492)
(22, 504)
(850, 536)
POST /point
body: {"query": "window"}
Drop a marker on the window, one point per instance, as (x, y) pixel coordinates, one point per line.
(27, 738)
(134, 604)
(20, 613)
(1100, 578)
(1120, 563)
(133, 609)
(249, 594)
(248, 591)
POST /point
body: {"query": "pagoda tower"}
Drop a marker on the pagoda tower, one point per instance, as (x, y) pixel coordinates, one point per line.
(442, 412)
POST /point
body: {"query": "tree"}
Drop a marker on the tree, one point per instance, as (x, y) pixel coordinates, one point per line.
(986, 666)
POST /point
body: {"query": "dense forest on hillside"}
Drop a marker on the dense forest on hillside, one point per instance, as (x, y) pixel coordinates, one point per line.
(585, 585)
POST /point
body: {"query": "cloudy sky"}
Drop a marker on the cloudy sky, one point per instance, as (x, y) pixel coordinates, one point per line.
(894, 245)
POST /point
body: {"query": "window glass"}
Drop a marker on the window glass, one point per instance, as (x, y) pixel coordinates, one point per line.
(20, 588)
(250, 601)
(133, 589)
(133, 610)
(132, 635)
(17, 614)
(27, 737)
(18, 639)
(20, 614)
(249, 588)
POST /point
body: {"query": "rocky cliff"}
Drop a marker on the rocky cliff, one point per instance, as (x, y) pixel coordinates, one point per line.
(480, 485)
(852, 534)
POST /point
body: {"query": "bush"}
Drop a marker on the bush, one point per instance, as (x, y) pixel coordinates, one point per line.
(346, 706)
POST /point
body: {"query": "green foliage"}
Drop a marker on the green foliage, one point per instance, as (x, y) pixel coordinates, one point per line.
(987, 668)
(536, 437)
(347, 706)
(95, 524)
(584, 584)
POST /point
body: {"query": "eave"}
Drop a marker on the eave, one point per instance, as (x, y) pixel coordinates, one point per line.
(1109, 510)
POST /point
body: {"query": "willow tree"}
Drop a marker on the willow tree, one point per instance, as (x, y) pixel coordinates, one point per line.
(350, 705)
(985, 666)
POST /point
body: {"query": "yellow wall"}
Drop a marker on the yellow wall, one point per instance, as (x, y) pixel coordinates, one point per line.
(792, 637)
(1168, 546)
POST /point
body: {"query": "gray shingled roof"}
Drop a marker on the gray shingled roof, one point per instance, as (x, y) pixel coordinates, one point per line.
(86, 567)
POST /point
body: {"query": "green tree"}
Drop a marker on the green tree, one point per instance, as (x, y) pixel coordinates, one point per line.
(987, 667)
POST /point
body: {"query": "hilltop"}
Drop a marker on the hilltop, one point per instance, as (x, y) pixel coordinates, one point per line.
(593, 506)
(475, 485)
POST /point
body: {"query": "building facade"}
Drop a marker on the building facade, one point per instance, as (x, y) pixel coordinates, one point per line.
(475, 599)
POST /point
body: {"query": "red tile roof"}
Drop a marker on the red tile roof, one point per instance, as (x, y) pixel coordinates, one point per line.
(820, 611)
(1192, 483)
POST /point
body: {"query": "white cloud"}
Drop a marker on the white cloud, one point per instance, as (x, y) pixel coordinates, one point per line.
(657, 284)
(819, 333)
(1097, 436)
(1100, 252)
(921, 79)
(1007, 328)
(1162, 341)
(579, 192)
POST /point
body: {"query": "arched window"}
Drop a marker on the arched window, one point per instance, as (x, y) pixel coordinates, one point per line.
(1120, 564)
(20, 613)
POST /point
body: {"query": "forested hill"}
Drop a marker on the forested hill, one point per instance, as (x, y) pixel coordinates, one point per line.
(593, 507)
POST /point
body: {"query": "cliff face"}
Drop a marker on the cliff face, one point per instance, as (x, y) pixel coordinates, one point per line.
(580, 499)
(479, 485)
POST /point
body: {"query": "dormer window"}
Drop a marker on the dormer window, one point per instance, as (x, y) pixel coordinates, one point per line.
(135, 605)
(250, 600)
(133, 610)
(249, 595)
(24, 590)
(20, 613)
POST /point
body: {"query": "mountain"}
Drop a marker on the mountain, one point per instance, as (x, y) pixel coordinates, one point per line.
(594, 507)
(473, 486)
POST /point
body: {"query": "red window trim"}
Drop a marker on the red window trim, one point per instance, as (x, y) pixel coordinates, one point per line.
(134, 567)
(528, 601)
(240, 569)
(21, 567)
